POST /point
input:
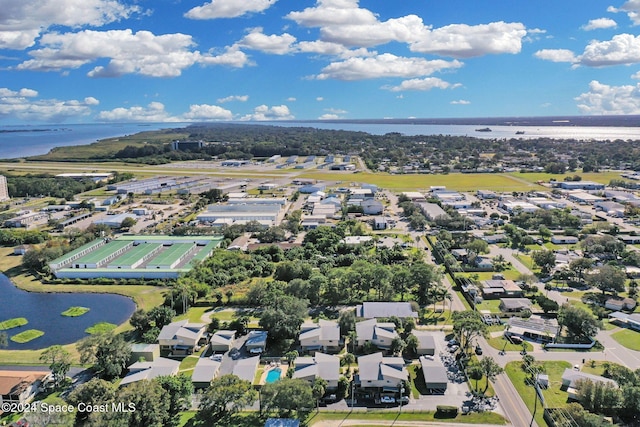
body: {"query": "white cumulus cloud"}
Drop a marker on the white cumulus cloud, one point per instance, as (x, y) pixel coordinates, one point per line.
(556, 55)
(384, 65)
(460, 102)
(422, 85)
(600, 23)
(230, 98)
(621, 49)
(24, 104)
(21, 22)
(631, 8)
(204, 112)
(466, 41)
(142, 53)
(274, 44)
(605, 99)
(228, 8)
(154, 112)
(345, 23)
(264, 113)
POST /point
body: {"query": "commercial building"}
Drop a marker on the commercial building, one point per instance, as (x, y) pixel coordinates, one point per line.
(242, 212)
(135, 257)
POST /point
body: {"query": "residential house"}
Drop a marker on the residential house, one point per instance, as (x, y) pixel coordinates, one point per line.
(426, 342)
(20, 386)
(618, 304)
(146, 352)
(571, 381)
(379, 334)
(535, 327)
(629, 320)
(324, 336)
(204, 372)
(500, 289)
(564, 240)
(222, 340)
(435, 375)
(245, 369)
(256, 342)
(514, 305)
(376, 371)
(371, 310)
(495, 238)
(182, 336)
(321, 365)
(149, 370)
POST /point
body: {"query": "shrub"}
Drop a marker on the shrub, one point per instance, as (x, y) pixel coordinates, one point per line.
(447, 411)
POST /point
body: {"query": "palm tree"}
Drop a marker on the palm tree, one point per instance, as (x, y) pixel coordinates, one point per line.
(318, 388)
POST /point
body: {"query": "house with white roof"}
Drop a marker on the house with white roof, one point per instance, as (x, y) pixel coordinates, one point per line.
(324, 336)
(204, 372)
(572, 381)
(371, 310)
(376, 371)
(245, 369)
(160, 367)
(182, 336)
(222, 340)
(379, 334)
(321, 365)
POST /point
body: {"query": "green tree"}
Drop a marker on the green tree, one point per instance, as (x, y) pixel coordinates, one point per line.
(397, 346)
(424, 278)
(151, 403)
(178, 389)
(544, 259)
(59, 361)
(468, 325)
(96, 391)
(318, 389)
(128, 222)
(577, 321)
(284, 318)
(161, 316)
(579, 266)
(109, 354)
(475, 373)
(608, 279)
(490, 369)
(225, 396)
(288, 398)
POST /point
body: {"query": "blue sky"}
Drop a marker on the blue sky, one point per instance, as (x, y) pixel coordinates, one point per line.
(83, 61)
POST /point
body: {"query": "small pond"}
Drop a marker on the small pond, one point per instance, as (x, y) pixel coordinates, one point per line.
(42, 310)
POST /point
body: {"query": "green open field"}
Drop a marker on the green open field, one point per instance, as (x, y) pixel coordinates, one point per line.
(601, 177)
(13, 323)
(554, 397)
(456, 181)
(628, 338)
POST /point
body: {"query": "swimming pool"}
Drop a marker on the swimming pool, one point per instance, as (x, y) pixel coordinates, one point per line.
(273, 375)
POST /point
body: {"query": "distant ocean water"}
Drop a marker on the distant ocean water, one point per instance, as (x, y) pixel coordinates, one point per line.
(23, 141)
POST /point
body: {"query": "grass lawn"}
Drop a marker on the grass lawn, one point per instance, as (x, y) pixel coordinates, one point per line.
(418, 385)
(100, 328)
(13, 323)
(628, 338)
(554, 397)
(26, 336)
(499, 343)
(75, 311)
(454, 181)
(492, 305)
(384, 417)
(188, 363)
(194, 314)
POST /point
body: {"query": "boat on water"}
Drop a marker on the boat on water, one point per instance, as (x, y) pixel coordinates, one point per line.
(483, 130)
(520, 132)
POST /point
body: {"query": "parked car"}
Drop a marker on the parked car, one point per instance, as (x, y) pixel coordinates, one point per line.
(387, 399)
(478, 350)
(453, 342)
